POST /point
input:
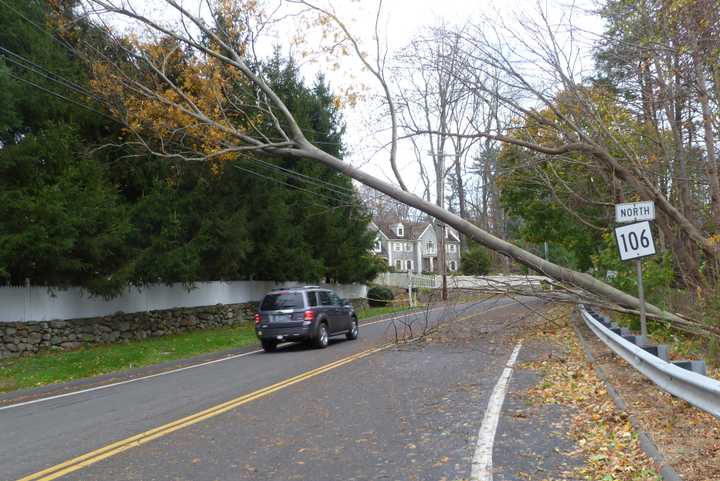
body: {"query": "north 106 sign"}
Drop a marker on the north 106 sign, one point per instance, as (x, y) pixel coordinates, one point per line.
(635, 241)
(634, 212)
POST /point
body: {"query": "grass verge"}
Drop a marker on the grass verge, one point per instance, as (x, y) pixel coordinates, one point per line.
(380, 311)
(53, 367)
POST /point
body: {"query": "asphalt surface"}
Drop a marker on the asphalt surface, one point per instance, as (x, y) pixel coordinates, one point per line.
(405, 413)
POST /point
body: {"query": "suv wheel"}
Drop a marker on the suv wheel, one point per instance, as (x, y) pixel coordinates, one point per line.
(269, 346)
(352, 334)
(321, 341)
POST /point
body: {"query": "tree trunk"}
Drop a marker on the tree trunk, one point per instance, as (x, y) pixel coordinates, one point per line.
(562, 274)
(709, 137)
(461, 197)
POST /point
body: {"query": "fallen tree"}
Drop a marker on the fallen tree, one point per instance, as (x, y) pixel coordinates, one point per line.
(162, 110)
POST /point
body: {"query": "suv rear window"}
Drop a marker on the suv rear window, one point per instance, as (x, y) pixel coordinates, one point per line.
(282, 300)
(312, 298)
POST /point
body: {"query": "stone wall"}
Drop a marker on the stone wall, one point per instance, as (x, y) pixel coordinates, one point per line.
(27, 338)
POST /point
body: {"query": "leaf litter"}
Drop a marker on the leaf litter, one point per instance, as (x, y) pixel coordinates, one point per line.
(604, 436)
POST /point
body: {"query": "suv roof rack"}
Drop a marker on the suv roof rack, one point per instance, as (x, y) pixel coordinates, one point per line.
(310, 287)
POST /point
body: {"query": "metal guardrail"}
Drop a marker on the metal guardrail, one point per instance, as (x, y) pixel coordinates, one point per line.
(700, 391)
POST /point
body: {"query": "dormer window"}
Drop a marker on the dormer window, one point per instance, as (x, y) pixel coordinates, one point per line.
(400, 230)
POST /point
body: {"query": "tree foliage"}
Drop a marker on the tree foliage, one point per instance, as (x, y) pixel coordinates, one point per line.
(476, 261)
(77, 208)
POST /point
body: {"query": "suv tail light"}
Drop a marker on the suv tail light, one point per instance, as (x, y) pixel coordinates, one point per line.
(309, 315)
(258, 318)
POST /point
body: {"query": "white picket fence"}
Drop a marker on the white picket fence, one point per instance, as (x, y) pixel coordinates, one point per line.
(405, 280)
(35, 303)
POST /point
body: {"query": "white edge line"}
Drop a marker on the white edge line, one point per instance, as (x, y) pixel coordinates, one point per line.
(173, 371)
(481, 468)
(128, 381)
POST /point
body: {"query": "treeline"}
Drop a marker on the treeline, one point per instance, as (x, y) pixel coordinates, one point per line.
(81, 205)
(643, 126)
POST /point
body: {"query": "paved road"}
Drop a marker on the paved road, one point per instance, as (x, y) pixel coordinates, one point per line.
(410, 412)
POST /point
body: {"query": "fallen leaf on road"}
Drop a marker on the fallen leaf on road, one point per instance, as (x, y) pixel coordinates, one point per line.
(604, 435)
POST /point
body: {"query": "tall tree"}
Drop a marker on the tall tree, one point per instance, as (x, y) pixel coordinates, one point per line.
(61, 219)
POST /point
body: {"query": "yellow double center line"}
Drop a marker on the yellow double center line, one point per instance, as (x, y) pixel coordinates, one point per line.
(118, 447)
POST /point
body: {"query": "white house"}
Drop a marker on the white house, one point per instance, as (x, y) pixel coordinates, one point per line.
(413, 246)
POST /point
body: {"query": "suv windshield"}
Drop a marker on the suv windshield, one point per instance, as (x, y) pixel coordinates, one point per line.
(283, 300)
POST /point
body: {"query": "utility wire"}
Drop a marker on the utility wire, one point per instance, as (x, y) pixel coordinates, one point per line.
(333, 187)
(345, 192)
(28, 64)
(330, 192)
(62, 97)
(34, 24)
(71, 50)
(23, 62)
(277, 181)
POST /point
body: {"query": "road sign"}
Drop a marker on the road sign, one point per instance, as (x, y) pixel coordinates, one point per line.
(635, 241)
(634, 212)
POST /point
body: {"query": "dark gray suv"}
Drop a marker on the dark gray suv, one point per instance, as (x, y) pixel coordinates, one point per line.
(308, 314)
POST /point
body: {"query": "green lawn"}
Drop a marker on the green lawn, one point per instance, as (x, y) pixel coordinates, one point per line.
(53, 367)
(380, 311)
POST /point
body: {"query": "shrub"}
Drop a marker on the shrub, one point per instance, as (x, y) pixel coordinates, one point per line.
(379, 296)
(476, 261)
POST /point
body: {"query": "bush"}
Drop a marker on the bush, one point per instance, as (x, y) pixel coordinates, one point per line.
(378, 265)
(379, 296)
(476, 261)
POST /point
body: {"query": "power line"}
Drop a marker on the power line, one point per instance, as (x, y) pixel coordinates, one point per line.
(59, 79)
(48, 74)
(71, 50)
(277, 181)
(349, 196)
(34, 24)
(60, 96)
(346, 192)
(333, 187)
(23, 62)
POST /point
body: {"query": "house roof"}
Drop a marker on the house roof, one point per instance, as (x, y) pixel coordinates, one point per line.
(413, 230)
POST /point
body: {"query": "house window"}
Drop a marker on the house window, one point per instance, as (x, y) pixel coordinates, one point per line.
(397, 246)
(451, 247)
(409, 265)
(430, 246)
(408, 247)
(400, 230)
(398, 265)
(377, 247)
(453, 266)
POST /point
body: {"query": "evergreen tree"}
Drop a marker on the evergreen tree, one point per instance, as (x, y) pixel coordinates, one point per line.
(105, 218)
(61, 219)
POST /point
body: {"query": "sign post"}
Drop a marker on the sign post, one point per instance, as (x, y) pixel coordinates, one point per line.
(635, 241)
(641, 296)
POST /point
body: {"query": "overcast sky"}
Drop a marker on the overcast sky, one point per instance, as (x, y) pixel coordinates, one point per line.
(403, 20)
